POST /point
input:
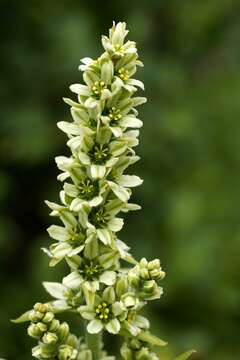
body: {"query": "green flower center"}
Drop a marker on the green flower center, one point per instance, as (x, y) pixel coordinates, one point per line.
(88, 189)
(114, 115)
(77, 238)
(99, 154)
(123, 74)
(90, 270)
(98, 87)
(98, 217)
(119, 48)
(103, 311)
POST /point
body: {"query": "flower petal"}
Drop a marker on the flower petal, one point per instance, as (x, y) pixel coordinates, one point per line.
(97, 171)
(55, 289)
(105, 236)
(73, 280)
(59, 233)
(95, 326)
(113, 326)
(87, 312)
(108, 277)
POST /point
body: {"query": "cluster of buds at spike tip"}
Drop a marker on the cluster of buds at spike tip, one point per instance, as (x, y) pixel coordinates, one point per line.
(54, 338)
(102, 137)
(144, 279)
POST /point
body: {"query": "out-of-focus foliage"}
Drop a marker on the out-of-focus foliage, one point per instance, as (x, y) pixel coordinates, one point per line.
(190, 153)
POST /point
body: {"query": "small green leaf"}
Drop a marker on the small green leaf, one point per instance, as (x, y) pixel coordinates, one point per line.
(185, 355)
(152, 339)
(23, 318)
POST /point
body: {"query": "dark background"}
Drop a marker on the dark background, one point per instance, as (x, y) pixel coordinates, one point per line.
(190, 158)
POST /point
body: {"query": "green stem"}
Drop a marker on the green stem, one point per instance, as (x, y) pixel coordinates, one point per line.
(93, 342)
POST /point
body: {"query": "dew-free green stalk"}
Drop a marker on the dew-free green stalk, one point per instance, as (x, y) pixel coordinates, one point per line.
(106, 288)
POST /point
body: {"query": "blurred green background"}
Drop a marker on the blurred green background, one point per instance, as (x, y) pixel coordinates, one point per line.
(190, 158)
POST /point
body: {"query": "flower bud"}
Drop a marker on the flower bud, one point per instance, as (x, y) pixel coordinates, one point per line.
(118, 33)
(85, 355)
(121, 286)
(135, 344)
(66, 352)
(143, 354)
(63, 331)
(144, 274)
(155, 270)
(48, 317)
(54, 325)
(42, 308)
(36, 330)
(126, 352)
(129, 299)
(35, 316)
(133, 278)
(49, 338)
(72, 340)
(43, 351)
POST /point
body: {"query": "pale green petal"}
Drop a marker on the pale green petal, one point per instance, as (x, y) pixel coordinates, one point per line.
(55, 289)
(58, 233)
(97, 171)
(80, 89)
(117, 148)
(91, 247)
(122, 193)
(95, 326)
(129, 180)
(141, 322)
(107, 71)
(108, 259)
(133, 330)
(137, 83)
(76, 250)
(60, 305)
(108, 278)
(115, 224)
(84, 158)
(77, 204)
(87, 312)
(138, 101)
(69, 128)
(117, 131)
(70, 190)
(105, 236)
(73, 280)
(75, 142)
(118, 308)
(96, 201)
(61, 250)
(109, 295)
(131, 122)
(113, 326)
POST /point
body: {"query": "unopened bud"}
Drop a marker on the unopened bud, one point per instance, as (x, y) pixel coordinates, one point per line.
(133, 278)
(54, 325)
(49, 338)
(35, 316)
(36, 330)
(63, 331)
(48, 317)
(66, 352)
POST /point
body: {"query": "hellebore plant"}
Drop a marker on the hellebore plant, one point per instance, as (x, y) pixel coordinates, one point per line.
(105, 296)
